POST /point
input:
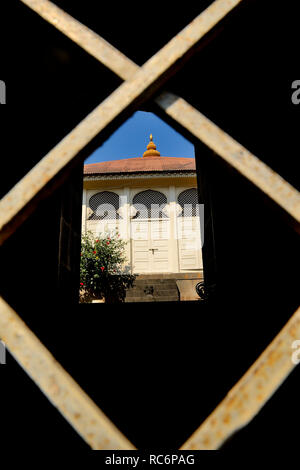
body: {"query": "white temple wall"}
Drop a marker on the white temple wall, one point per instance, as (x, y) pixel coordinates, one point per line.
(171, 244)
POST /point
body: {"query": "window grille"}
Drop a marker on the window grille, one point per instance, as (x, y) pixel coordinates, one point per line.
(188, 200)
(274, 364)
(104, 206)
(149, 205)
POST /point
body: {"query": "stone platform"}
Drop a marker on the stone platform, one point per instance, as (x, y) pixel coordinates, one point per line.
(162, 287)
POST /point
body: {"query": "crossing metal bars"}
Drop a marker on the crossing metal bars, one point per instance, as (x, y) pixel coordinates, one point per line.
(263, 378)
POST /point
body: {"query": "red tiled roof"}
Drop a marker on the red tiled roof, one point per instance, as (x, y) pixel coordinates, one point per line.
(132, 165)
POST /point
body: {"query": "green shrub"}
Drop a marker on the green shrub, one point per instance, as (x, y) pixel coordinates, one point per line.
(102, 272)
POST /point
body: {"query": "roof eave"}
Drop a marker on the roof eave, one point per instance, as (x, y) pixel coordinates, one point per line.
(135, 174)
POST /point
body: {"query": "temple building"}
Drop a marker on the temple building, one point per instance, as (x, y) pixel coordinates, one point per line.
(152, 202)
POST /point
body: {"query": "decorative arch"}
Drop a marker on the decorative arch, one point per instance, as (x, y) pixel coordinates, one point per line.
(104, 206)
(150, 204)
(188, 200)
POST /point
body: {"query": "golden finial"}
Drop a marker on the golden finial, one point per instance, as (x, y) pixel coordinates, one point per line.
(151, 149)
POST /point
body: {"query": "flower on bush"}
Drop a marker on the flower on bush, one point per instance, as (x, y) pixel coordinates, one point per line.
(103, 275)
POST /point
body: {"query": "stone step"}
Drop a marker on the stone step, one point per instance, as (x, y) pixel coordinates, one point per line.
(164, 290)
(164, 293)
(160, 293)
(154, 299)
(189, 275)
(173, 287)
(154, 282)
(157, 285)
(150, 292)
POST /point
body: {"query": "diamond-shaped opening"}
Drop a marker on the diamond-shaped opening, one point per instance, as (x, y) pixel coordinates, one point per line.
(142, 217)
(142, 365)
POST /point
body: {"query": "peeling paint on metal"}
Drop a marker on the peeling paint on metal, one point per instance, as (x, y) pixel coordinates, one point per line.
(248, 396)
(58, 386)
(251, 393)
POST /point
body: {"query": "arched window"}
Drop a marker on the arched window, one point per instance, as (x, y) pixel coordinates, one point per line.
(149, 204)
(104, 206)
(188, 200)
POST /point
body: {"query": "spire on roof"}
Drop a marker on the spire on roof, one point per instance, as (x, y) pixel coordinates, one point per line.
(151, 149)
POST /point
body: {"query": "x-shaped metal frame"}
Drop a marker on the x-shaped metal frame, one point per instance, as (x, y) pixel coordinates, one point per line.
(263, 378)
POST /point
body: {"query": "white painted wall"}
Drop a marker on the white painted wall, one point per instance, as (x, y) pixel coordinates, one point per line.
(171, 244)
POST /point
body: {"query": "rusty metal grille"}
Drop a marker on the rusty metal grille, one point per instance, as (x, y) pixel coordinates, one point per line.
(104, 206)
(188, 200)
(149, 204)
(268, 372)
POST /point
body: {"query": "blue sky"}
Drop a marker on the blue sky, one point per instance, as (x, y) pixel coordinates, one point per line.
(132, 138)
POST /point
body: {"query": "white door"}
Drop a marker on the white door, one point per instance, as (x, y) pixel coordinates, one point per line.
(160, 230)
(140, 246)
(189, 243)
(150, 245)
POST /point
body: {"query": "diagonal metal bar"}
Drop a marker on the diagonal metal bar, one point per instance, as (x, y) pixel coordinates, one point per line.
(61, 389)
(266, 179)
(251, 393)
(84, 37)
(267, 373)
(178, 109)
(15, 206)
